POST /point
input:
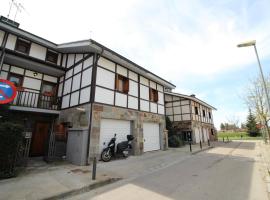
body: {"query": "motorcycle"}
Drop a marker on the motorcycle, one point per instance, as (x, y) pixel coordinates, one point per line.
(122, 149)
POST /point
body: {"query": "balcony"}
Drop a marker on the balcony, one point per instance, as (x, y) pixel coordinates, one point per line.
(29, 99)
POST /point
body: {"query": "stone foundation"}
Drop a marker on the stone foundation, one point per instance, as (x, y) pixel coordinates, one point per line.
(136, 117)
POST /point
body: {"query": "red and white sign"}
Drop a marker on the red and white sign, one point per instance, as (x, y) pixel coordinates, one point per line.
(8, 91)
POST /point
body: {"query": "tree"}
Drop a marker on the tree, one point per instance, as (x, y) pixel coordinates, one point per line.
(256, 101)
(252, 125)
(222, 126)
(169, 126)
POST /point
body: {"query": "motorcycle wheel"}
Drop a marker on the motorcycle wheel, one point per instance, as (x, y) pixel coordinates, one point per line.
(106, 155)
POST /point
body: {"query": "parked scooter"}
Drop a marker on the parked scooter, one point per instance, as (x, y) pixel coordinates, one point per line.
(122, 149)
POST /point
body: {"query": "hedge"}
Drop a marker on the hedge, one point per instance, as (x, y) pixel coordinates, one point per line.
(11, 137)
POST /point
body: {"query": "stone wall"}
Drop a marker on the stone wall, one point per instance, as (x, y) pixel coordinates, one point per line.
(136, 117)
(77, 118)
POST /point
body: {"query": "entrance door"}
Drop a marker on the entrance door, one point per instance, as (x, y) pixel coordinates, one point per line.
(40, 139)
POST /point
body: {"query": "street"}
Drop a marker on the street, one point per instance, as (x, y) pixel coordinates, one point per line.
(229, 171)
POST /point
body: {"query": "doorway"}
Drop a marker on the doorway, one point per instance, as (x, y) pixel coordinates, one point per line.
(40, 139)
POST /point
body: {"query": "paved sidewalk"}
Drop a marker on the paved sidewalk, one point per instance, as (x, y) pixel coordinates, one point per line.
(50, 181)
(53, 181)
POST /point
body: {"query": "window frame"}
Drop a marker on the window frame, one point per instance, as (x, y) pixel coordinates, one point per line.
(153, 95)
(21, 41)
(196, 110)
(125, 80)
(19, 76)
(210, 116)
(203, 112)
(51, 52)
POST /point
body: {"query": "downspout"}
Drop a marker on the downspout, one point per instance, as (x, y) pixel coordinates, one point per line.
(92, 99)
(3, 47)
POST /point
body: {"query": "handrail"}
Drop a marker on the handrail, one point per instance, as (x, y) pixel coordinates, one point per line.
(36, 100)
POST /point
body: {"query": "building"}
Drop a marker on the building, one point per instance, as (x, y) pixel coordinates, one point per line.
(189, 114)
(80, 87)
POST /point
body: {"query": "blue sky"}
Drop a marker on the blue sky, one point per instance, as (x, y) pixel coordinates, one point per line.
(191, 43)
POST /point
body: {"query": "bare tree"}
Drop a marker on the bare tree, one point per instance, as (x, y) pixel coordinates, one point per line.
(256, 101)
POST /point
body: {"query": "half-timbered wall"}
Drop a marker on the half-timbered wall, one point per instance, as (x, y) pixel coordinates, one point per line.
(75, 86)
(138, 95)
(200, 117)
(177, 108)
(183, 109)
(36, 50)
(31, 81)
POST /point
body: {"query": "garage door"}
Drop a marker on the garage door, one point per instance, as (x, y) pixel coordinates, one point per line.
(151, 137)
(197, 135)
(109, 127)
(205, 136)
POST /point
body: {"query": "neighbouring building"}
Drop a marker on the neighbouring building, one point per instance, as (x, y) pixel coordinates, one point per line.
(81, 88)
(189, 114)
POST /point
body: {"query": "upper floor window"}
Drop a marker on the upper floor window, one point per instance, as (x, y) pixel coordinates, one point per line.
(16, 79)
(153, 95)
(52, 56)
(203, 112)
(22, 46)
(196, 110)
(209, 115)
(122, 84)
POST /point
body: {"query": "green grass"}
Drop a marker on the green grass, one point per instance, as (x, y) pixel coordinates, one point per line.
(236, 136)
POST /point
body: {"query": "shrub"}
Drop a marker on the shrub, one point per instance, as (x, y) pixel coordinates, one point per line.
(175, 141)
(11, 137)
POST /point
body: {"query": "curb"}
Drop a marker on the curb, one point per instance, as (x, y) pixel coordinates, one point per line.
(84, 189)
(201, 150)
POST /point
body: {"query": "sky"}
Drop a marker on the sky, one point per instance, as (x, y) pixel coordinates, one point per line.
(191, 43)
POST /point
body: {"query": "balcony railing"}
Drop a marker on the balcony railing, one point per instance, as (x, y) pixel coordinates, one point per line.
(36, 100)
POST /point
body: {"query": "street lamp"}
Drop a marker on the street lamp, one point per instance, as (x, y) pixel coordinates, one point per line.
(253, 43)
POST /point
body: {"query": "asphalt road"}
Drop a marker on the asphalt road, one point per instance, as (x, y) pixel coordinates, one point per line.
(228, 171)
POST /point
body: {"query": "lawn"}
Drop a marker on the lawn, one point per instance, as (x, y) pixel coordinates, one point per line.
(236, 136)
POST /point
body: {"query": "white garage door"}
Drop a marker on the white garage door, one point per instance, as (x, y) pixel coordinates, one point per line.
(151, 137)
(109, 127)
(197, 135)
(205, 134)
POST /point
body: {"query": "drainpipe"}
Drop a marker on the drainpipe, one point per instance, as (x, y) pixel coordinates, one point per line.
(93, 86)
(3, 47)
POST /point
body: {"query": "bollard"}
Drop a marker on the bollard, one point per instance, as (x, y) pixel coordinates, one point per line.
(208, 141)
(223, 139)
(94, 169)
(190, 148)
(201, 144)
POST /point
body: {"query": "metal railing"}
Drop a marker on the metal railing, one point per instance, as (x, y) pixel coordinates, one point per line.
(36, 100)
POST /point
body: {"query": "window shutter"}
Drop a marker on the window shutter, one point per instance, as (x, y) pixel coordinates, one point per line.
(126, 85)
(156, 96)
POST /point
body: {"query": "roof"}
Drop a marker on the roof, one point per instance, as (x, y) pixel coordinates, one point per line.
(191, 98)
(88, 45)
(93, 46)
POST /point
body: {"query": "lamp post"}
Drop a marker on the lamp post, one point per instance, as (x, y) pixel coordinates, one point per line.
(253, 43)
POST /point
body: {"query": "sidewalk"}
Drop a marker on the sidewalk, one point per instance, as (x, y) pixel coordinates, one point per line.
(51, 181)
(54, 181)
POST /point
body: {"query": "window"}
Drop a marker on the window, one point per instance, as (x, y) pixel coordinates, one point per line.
(51, 57)
(203, 112)
(153, 95)
(48, 89)
(122, 84)
(22, 46)
(16, 79)
(209, 115)
(196, 110)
